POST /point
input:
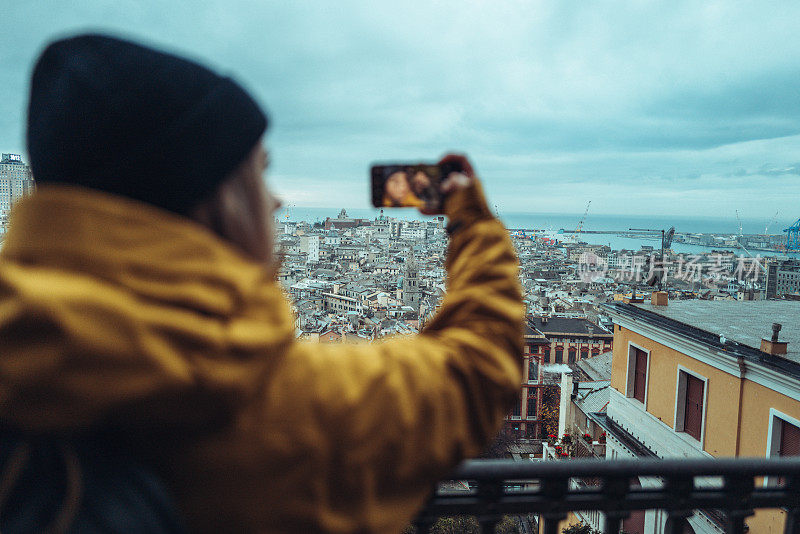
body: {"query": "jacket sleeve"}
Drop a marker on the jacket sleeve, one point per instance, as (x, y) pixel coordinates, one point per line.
(399, 414)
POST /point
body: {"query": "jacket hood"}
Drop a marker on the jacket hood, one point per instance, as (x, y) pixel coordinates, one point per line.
(116, 313)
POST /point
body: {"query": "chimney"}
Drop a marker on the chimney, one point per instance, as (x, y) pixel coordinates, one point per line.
(773, 346)
(634, 298)
(659, 298)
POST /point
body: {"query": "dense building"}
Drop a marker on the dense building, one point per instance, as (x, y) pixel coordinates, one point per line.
(16, 181)
(343, 221)
(547, 340)
(309, 245)
(704, 379)
(783, 278)
(524, 419)
(570, 339)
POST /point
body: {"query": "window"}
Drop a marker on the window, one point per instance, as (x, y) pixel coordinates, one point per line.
(531, 405)
(559, 354)
(533, 368)
(693, 407)
(640, 375)
(584, 353)
(637, 374)
(783, 439)
(515, 410)
(789, 444)
(690, 403)
(546, 355)
(530, 431)
(571, 355)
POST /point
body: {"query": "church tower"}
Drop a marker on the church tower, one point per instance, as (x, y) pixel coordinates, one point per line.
(412, 293)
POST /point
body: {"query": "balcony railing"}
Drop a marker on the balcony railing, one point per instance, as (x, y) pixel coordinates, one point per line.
(551, 489)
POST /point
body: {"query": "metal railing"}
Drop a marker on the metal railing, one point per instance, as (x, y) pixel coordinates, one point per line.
(551, 489)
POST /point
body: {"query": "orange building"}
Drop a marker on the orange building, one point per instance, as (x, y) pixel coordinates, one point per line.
(704, 379)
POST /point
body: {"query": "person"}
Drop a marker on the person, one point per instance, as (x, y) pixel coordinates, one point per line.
(138, 296)
(423, 188)
(398, 193)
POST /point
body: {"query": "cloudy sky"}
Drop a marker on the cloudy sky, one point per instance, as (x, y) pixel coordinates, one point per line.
(683, 108)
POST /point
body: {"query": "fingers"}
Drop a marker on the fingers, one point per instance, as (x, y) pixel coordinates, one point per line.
(456, 180)
(461, 179)
(461, 161)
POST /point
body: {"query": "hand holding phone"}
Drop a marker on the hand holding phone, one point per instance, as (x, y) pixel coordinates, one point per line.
(423, 186)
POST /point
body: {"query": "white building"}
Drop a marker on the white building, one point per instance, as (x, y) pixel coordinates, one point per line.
(16, 181)
(309, 245)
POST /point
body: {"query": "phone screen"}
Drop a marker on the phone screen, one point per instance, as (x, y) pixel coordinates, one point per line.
(399, 186)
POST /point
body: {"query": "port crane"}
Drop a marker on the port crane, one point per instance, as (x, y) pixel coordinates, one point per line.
(771, 222)
(583, 219)
(793, 237)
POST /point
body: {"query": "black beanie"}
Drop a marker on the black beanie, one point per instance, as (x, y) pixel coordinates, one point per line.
(123, 118)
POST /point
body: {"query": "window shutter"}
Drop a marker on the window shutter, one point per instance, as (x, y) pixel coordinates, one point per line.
(515, 410)
(640, 375)
(531, 405)
(790, 440)
(693, 417)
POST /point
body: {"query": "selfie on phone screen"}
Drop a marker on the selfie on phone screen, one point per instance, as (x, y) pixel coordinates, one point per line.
(408, 186)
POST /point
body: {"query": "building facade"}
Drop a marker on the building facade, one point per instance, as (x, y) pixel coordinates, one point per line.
(697, 379)
(549, 341)
(16, 181)
(783, 278)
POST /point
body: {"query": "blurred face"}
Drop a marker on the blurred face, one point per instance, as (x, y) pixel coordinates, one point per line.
(242, 209)
(420, 182)
(397, 186)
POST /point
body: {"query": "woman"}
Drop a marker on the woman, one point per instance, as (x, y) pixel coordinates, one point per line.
(397, 192)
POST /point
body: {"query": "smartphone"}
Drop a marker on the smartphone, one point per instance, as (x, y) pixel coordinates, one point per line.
(402, 185)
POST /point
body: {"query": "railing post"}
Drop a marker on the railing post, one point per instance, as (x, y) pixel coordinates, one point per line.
(489, 492)
(616, 488)
(737, 490)
(679, 489)
(792, 525)
(554, 490)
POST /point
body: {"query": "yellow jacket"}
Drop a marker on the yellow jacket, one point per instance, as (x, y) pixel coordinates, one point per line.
(117, 315)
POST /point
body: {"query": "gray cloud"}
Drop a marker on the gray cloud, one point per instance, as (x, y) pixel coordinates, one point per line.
(669, 108)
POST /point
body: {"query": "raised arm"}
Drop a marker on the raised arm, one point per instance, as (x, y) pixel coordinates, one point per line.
(400, 414)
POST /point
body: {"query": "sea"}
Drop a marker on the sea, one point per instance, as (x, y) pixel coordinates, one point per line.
(553, 222)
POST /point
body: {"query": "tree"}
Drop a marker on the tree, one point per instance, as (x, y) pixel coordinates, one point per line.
(498, 448)
(466, 525)
(579, 528)
(551, 398)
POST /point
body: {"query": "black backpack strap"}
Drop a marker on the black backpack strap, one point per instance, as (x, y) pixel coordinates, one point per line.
(12, 470)
(87, 485)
